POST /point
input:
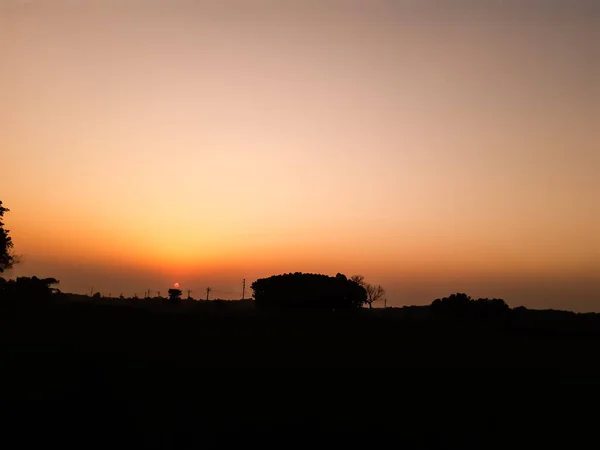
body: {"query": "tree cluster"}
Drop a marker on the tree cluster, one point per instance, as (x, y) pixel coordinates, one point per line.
(32, 289)
(308, 291)
(375, 292)
(462, 305)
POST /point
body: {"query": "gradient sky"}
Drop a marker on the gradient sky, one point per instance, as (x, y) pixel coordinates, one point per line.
(434, 147)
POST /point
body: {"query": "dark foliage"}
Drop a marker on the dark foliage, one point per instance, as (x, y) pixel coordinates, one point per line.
(6, 256)
(30, 289)
(374, 292)
(462, 306)
(175, 295)
(306, 291)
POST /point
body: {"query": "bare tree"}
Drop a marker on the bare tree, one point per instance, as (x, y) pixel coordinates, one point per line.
(374, 293)
(358, 279)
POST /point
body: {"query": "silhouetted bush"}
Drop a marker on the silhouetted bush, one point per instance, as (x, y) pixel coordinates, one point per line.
(175, 295)
(6, 256)
(304, 291)
(460, 305)
(25, 291)
(490, 307)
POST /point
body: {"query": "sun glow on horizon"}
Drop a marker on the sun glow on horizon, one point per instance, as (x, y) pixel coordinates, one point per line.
(210, 143)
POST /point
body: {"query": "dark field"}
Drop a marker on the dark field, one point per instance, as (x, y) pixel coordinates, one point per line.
(88, 375)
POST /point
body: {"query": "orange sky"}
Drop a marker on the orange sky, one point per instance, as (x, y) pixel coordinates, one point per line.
(433, 150)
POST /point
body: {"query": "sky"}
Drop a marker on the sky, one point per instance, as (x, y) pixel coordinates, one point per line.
(434, 147)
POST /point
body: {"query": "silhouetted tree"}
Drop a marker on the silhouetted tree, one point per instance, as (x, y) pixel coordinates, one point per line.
(461, 305)
(490, 307)
(358, 279)
(454, 305)
(32, 290)
(374, 292)
(308, 291)
(175, 295)
(97, 296)
(7, 258)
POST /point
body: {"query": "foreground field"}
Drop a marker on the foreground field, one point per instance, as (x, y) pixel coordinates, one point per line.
(110, 375)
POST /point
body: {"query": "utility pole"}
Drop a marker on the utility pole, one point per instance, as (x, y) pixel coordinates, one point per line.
(189, 292)
(158, 294)
(243, 288)
(92, 291)
(208, 292)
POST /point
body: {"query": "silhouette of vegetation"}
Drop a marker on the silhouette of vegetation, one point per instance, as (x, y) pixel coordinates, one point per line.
(306, 291)
(374, 292)
(460, 305)
(28, 291)
(175, 295)
(358, 279)
(7, 258)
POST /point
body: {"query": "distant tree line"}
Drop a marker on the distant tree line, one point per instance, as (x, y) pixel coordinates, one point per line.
(33, 290)
(460, 305)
